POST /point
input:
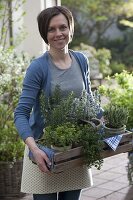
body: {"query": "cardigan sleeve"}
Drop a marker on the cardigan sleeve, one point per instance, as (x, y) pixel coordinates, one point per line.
(31, 87)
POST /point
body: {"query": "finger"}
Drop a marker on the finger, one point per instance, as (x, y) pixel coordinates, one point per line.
(42, 166)
(46, 159)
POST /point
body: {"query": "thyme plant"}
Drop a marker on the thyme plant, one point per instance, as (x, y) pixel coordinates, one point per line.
(92, 143)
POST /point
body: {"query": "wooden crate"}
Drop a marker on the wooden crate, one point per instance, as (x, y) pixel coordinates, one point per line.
(74, 157)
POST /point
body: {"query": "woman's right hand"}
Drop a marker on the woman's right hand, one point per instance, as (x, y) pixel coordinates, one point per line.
(40, 157)
(41, 160)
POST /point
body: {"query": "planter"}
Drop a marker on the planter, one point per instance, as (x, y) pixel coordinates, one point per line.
(74, 157)
(96, 123)
(114, 131)
(10, 179)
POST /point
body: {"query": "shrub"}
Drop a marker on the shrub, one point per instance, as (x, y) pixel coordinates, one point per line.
(12, 68)
(119, 90)
(117, 67)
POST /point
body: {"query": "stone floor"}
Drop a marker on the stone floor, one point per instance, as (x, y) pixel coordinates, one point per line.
(110, 183)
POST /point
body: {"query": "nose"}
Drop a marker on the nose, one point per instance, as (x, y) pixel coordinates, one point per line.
(58, 32)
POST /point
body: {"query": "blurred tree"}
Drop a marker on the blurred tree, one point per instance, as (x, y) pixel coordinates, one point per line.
(7, 9)
(95, 17)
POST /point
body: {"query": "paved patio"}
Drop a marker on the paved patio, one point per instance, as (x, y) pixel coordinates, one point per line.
(110, 183)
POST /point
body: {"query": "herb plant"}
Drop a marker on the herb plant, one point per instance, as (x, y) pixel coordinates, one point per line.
(92, 143)
(62, 136)
(115, 116)
(119, 90)
(62, 115)
(86, 107)
(57, 110)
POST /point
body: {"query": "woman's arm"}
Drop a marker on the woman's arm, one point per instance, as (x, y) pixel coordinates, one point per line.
(31, 87)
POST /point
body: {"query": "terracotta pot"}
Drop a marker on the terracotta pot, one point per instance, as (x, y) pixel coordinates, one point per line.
(114, 131)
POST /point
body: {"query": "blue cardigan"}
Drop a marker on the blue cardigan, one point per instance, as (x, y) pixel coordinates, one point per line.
(27, 116)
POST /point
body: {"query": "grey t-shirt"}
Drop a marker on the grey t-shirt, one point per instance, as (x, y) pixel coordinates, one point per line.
(68, 79)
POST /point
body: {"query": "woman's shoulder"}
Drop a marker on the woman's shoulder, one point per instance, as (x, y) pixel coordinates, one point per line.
(78, 54)
(39, 63)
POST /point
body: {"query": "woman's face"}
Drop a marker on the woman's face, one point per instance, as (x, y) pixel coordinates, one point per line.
(58, 35)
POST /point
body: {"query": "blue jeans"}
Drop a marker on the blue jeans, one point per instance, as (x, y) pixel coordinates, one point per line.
(68, 195)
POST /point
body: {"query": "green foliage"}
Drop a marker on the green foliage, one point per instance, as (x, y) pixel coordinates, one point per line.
(55, 109)
(11, 146)
(62, 136)
(115, 116)
(121, 50)
(59, 110)
(119, 91)
(12, 67)
(62, 116)
(92, 146)
(95, 17)
(86, 107)
(116, 67)
(104, 57)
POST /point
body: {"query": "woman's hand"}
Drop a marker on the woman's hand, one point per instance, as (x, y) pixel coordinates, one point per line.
(40, 157)
(41, 160)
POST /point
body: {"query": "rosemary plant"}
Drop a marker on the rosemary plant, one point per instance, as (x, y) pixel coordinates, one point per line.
(115, 116)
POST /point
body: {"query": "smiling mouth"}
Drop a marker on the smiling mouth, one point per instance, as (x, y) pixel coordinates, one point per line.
(59, 39)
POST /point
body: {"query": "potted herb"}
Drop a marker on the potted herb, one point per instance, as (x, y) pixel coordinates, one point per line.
(86, 109)
(92, 144)
(60, 131)
(64, 126)
(61, 138)
(115, 119)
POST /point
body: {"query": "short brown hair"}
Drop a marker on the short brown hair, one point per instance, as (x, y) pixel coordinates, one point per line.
(46, 15)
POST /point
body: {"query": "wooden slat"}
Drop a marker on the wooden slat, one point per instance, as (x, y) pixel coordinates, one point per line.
(68, 154)
(67, 165)
(126, 138)
(79, 161)
(120, 149)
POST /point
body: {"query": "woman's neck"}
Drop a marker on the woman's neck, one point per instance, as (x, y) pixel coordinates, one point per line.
(61, 58)
(58, 54)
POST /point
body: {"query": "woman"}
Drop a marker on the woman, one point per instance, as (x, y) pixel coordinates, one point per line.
(58, 66)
